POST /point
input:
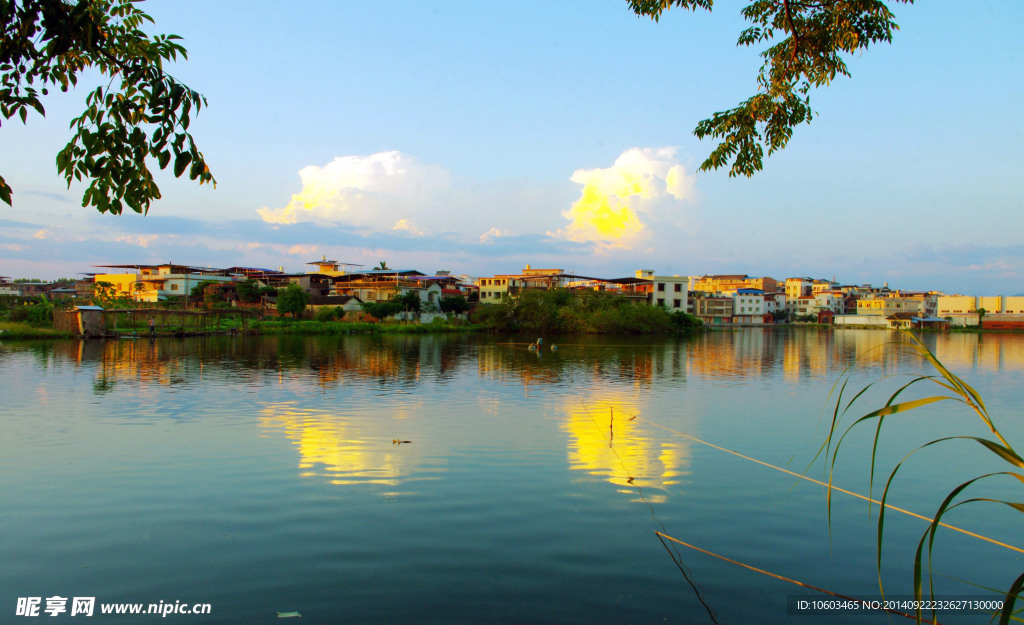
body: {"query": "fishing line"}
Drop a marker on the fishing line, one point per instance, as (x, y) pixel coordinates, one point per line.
(826, 485)
(785, 579)
(677, 557)
(833, 487)
(674, 553)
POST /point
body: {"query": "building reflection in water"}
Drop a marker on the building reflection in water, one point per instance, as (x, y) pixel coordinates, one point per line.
(595, 388)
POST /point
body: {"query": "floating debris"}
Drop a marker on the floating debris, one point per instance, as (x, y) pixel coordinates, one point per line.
(395, 441)
(288, 614)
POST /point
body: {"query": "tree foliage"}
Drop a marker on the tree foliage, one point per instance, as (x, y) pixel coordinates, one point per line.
(561, 311)
(292, 299)
(199, 290)
(806, 42)
(141, 115)
(454, 304)
(409, 302)
(382, 310)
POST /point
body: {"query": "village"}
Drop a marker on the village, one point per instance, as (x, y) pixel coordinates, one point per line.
(716, 300)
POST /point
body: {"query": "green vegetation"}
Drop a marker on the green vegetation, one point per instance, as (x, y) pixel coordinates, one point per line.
(557, 311)
(561, 311)
(410, 302)
(105, 294)
(954, 389)
(815, 36)
(198, 292)
(292, 301)
(38, 312)
(319, 327)
(23, 330)
(456, 304)
(29, 318)
(250, 291)
(138, 114)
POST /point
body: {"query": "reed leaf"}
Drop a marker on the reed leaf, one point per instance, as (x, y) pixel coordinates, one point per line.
(1011, 598)
(956, 389)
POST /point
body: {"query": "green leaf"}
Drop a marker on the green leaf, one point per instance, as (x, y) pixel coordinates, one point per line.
(181, 162)
(5, 192)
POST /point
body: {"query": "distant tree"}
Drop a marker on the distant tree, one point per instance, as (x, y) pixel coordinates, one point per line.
(139, 112)
(410, 302)
(248, 291)
(812, 38)
(454, 304)
(103, 294)
(382, 310)
(199, 290)
(292, 300)
(383, 266)
(684, 321)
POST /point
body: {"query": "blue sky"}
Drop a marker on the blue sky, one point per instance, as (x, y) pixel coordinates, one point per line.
(481, 137)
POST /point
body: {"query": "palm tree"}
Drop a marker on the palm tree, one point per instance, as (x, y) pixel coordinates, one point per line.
(383, 266)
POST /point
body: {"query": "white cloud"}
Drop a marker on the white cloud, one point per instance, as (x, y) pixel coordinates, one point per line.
(619, 204)
(302, 250)
(404, 225)
(372, 192)
(141, 241)
(491, 234)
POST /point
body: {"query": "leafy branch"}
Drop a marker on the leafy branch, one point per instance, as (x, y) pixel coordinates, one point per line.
(142, 113)
(814, 37)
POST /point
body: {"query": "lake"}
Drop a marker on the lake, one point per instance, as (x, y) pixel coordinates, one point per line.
(469, 479)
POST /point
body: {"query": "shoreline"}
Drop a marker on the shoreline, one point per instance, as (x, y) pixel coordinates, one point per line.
(24, 331)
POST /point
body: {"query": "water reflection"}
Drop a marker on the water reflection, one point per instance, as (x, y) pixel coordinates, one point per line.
(334, 448)
(523, 466)
(609, 439)
(404, 360)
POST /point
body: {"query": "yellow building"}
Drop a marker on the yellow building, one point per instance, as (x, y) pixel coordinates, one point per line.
(494, 288)
(330, 267)
(727, 283)
(152, 283)
(886, 306)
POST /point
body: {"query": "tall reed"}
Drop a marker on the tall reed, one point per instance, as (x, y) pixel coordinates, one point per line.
(951, 388)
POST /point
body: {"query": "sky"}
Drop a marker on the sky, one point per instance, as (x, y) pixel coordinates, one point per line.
(481, 137)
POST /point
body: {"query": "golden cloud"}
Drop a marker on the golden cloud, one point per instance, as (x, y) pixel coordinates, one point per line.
(616, 201)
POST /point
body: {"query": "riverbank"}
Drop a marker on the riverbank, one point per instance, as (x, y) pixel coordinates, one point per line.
(22, 330)
(308, 327)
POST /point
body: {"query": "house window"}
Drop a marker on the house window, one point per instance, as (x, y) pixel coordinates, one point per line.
(679, 288)
(661, 301)
(676, 303)
(661, 286)
(174, 287)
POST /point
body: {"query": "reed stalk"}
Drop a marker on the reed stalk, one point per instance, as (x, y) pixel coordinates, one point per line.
(955, 389)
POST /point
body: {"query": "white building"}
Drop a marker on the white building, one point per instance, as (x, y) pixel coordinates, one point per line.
(670, 292)
(748, 306)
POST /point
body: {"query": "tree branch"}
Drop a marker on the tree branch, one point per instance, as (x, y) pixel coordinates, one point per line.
(793, 33)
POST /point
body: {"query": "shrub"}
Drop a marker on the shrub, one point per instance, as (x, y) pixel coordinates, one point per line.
(328, 314)
(292, 300)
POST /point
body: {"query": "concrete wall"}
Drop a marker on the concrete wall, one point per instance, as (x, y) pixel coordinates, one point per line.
(870, 321)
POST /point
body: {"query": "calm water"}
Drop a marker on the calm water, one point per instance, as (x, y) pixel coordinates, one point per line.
(262, 475)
